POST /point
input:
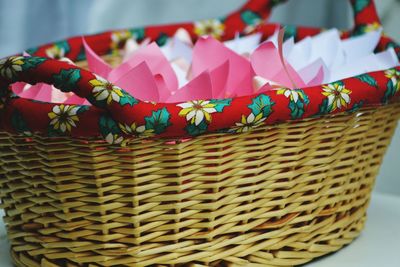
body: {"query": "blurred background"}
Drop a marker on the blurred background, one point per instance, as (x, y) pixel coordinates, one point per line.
(27, 23)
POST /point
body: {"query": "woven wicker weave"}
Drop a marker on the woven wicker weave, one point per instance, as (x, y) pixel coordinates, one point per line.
(278, 196)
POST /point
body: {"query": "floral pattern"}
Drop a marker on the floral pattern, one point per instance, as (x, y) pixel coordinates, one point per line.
(251, 19)
(261, 109)
(212, 27)
(110, 130)
(338, 96)
(10, 66)
(105, 93)
(3, 100)
(298, 100)
(55, 52)
(67, 80)
(158, 122)
(118, 39)
(368, 79)
(19, 124)
(249, 123)
(372, 27)
(394, 76)
(64, 117)
(114, 139)
(104, 90)
(196, 111)
(137, 118)
(393, 85)
(360, 5)
(133, 129)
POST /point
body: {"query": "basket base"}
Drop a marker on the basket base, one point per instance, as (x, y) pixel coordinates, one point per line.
(330, 239)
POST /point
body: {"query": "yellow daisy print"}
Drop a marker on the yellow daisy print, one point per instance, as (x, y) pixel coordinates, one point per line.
(64, 117)
(114, 139)
(394, 75)
(293, 95)
(118, 39)
(211, 27)
(249, 123)
(338, 96)
(196, 111)
(10, 66)
(104, 90)
(55, 52)
(372, 27)
(133, 129)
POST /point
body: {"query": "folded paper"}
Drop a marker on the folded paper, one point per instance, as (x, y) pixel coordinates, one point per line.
(209, 69)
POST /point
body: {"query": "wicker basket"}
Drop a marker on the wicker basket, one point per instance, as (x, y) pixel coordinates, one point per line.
(280, 195)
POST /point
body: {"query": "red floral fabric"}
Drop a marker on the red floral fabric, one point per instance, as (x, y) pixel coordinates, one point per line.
(116, 115)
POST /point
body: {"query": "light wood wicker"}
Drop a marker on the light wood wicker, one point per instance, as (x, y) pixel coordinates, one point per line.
(277, 196)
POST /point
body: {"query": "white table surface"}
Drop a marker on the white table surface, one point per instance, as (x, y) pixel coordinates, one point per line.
(378, 245)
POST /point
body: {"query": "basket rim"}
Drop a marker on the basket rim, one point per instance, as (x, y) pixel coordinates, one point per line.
(117, 120)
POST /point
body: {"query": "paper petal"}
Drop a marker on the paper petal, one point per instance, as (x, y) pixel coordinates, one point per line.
(181, 69)
(318, 79)
(76, 100)
(156, 61)
(300, 55)
(293, 76)
(39, 92)
(326, 46)
(184, 36)
(163, 91)
(260, 82)
(219, 78)
(266, 61)
(267, 87)
(209, 54)
(288, 46)
(361, 46)
(314, 73)
(244, 45)
(273, 69)
(132, 46)
(96, 64)
(18, 87)
(140, 83)
(373, 62)
(198, 88)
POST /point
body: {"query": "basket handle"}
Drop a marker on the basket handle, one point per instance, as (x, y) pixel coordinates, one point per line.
(364, 10)
(122, 107)
(65, 77)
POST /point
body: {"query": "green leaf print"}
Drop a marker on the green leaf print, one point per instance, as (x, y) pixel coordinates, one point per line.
(32, 62)
(360, 5)
(158, 121)
(220, 104)
(262, 104)
(67, 80)
(108, 126)
(19, 124)
(366, 78)
(250, 17)
(390, 92)
(194, 130)
(127, 99)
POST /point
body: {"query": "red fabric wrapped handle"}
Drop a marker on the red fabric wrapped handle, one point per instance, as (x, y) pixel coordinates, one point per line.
(264, 8)
(121, 115)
